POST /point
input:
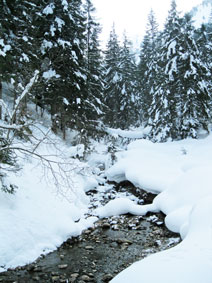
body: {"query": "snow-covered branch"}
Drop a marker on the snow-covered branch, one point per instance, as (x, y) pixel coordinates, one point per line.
(13, 126)
(23, 95)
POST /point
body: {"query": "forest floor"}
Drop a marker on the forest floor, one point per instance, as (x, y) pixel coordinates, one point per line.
(102, 251)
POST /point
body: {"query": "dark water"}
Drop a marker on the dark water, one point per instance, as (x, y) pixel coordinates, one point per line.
(99, 253)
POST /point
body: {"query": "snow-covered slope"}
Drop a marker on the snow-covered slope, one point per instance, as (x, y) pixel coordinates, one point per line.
(49, 204)
(201, 13)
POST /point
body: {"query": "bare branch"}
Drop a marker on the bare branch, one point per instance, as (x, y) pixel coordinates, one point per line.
(13, 126)
(42, 140)
(59, 167)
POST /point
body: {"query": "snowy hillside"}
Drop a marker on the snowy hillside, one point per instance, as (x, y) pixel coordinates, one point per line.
(201, 13)
(49, 202)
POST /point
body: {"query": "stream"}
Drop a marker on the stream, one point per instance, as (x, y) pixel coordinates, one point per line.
(104, 250)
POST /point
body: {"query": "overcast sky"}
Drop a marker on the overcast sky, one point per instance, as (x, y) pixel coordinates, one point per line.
(131, 15)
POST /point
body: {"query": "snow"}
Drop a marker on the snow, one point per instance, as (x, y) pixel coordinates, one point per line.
(47, 44)
(119, 206)
(52, 30)
(60, 23)
(50, 74)
(49, 9)
(171, 48)
(33, 221)
(4, 48)
(79, 74)
(24, 58)
(63, 43)
(25, 38)
(132, 134)
(77, 42)
(65, 5)
(202, 85)
(189, 261)
(180, 173)
(24, 93)
(193, 69)
(43, 212)
(152, 167)
(171, 68)
(77, 150)
(65, 101)
(74, 55)
(41, 215)
(116, 78)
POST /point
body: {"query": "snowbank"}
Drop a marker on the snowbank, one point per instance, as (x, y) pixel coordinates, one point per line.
(180, 173)
(189, 261)
(138, 133)
(43, 212)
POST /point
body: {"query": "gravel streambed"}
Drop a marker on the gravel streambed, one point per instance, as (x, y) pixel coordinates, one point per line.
(104, 250)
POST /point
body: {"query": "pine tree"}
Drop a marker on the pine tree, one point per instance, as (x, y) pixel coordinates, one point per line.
(120, 83)
(62, 41)
(148, 66)
(129, 111)
(163, 112)
(112, 79)
(206, 50)
(195, 98)
(17, 63)
(94, 83)
(6, 42)
(17, 42)
(204, 41)
(180, 103)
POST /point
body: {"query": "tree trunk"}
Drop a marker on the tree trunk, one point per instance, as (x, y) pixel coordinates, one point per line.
(54, 118)
(63, 122)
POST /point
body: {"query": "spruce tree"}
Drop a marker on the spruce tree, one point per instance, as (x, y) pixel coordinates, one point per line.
(62, 41)
(112, 92)
(181, 101)
(18, 52)
(94, 83)
(148, 66)
(129, 108)
(6, 42)
(194, 78)
(204, 41)
(120, 92)
(163, 112)
(17, 61)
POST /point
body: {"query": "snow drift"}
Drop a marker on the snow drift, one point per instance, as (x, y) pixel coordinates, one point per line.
(180, 173)
(43, 212)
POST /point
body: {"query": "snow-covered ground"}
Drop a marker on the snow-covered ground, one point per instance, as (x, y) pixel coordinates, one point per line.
(180, 172)
(50, 203)
(46, 208)
(43, 213)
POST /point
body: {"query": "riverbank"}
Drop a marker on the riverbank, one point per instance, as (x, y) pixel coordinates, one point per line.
(104, 250)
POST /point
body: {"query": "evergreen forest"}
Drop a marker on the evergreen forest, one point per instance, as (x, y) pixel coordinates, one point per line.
(84, 88)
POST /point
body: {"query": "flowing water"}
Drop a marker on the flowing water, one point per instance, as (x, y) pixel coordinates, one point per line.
(101, 251)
